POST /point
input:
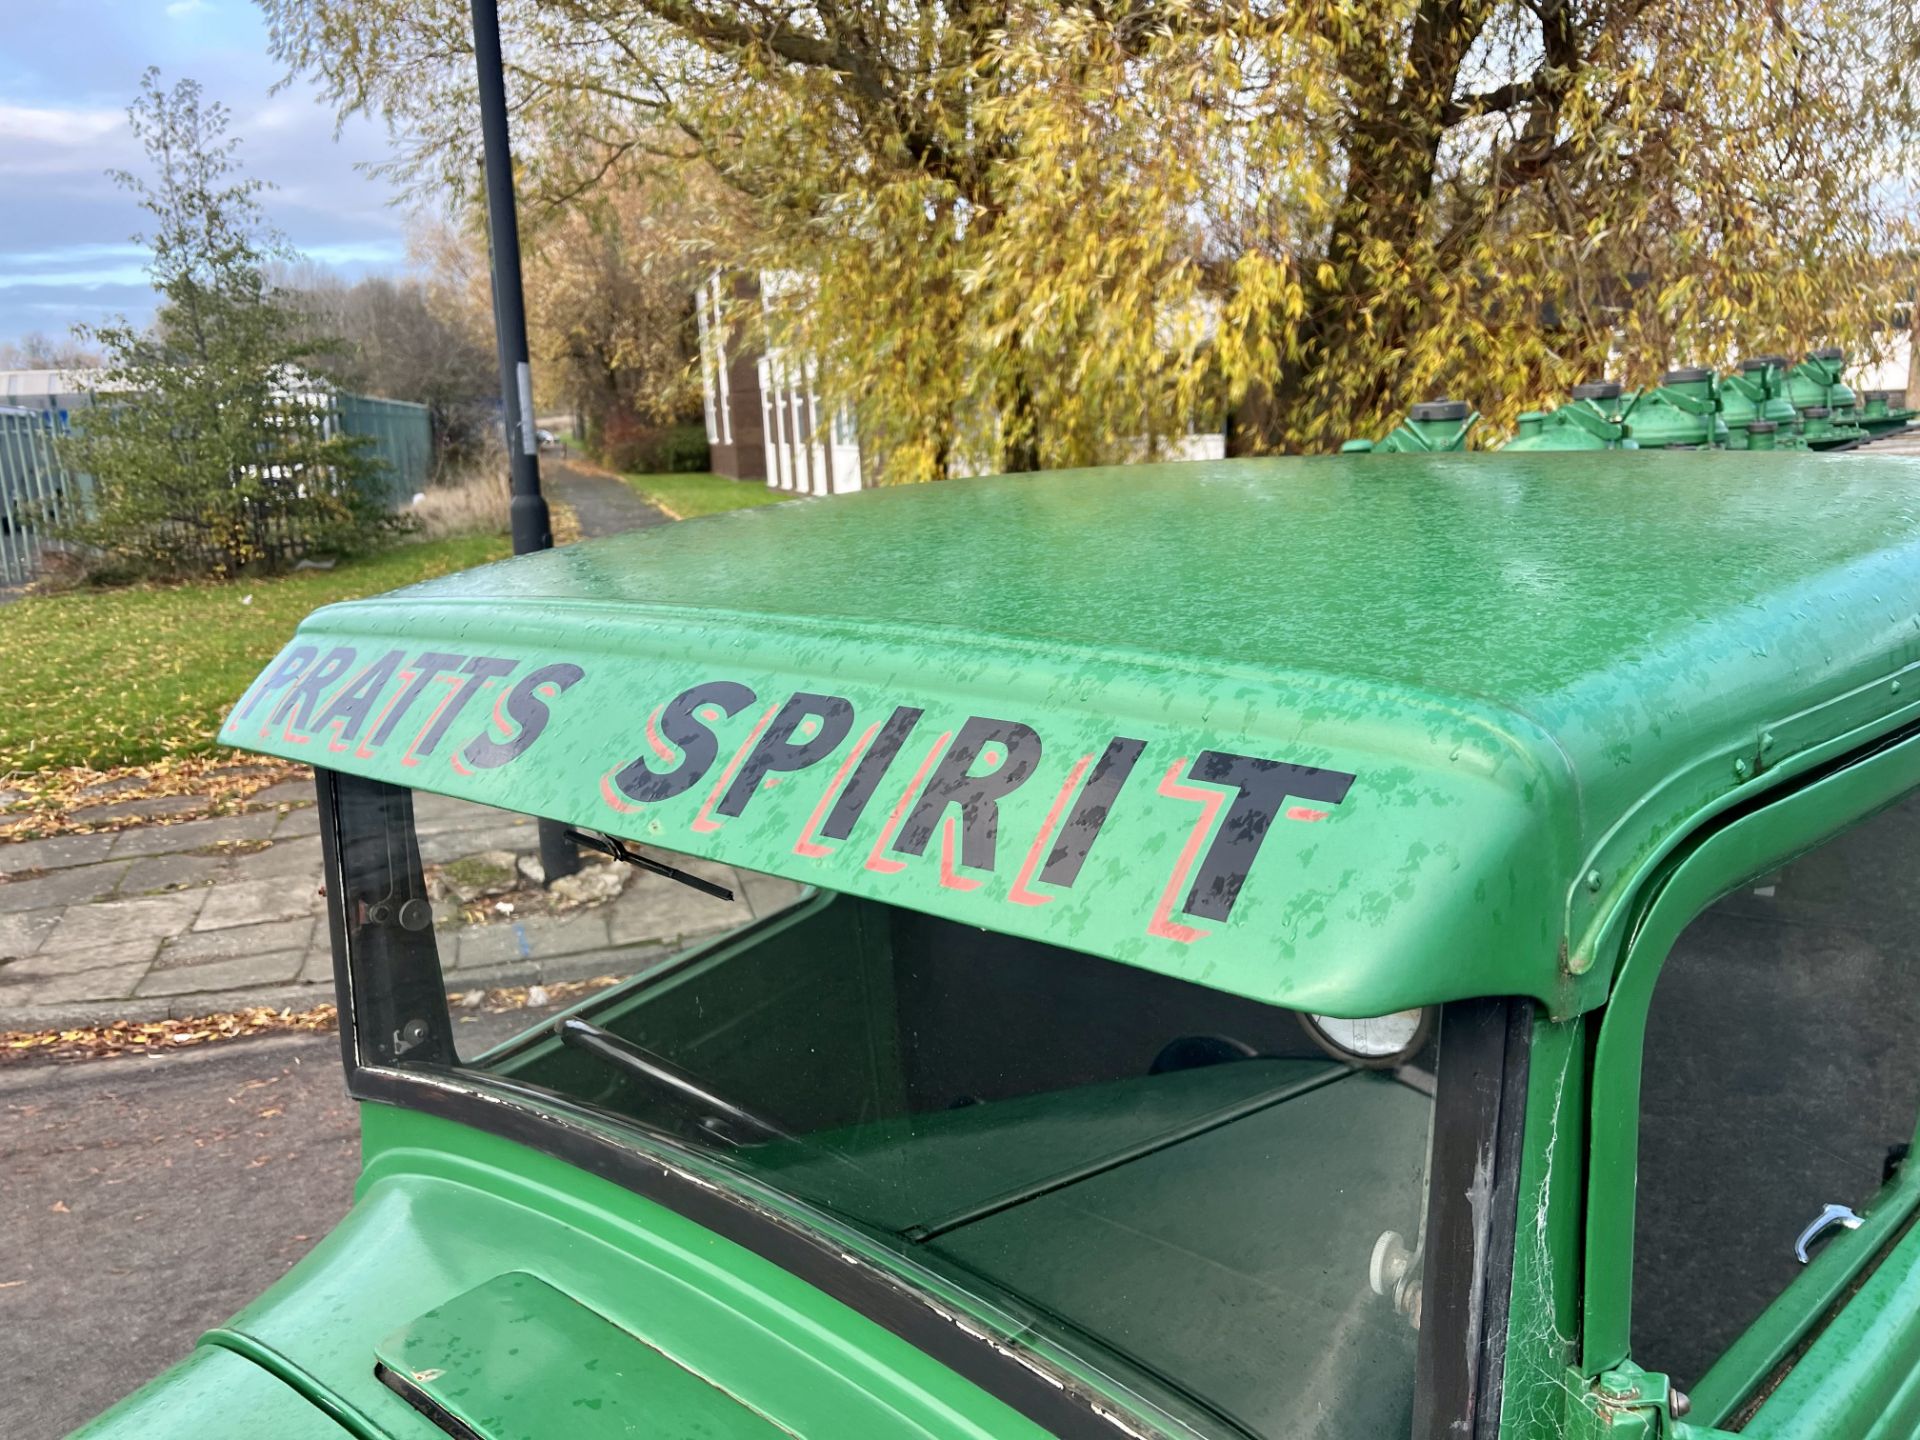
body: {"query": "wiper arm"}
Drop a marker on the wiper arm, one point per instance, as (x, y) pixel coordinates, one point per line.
(643, 1064)
(608, 845)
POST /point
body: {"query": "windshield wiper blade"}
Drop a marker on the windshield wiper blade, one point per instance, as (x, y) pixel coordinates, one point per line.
(608, 845)
(662, 1073)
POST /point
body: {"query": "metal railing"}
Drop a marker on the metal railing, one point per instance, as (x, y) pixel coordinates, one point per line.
(35, 490)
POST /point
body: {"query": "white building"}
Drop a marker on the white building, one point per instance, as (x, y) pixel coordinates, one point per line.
(59, 391)
(765, 420)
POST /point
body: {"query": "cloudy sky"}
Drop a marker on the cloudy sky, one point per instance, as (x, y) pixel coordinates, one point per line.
(68, 69)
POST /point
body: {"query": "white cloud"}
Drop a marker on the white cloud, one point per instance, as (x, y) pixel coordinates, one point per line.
(45, 140)
(68, 279)
(359, 252)
(182, 9)
(46, 125)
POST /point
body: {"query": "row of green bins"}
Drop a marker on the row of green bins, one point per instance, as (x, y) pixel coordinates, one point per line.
(1758, 391)
(1430, 427)
(1826, 402)
(1802, 406)
(1682, 412)
(1594, 419)
(1882, 412)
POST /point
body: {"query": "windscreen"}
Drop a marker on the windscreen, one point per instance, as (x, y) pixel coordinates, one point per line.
(1194, 1186)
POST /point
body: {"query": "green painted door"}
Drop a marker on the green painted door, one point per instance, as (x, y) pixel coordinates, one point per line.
(1756, 1089)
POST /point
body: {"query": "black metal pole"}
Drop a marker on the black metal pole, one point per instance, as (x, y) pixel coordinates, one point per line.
(532, 528)
(532, 525)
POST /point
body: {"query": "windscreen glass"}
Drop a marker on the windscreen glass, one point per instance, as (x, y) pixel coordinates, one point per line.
(1196, 1184)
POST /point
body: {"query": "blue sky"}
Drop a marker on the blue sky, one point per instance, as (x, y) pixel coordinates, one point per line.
(69, 68)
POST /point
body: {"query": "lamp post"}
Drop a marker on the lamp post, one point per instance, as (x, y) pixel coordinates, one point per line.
(531, 523)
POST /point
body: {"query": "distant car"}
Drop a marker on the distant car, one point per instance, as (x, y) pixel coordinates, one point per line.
(546, 439)
(1299, 949)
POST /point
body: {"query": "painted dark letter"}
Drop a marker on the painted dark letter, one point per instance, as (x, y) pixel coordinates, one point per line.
(355, 700)
(776, 750)
(478, 671)
(528, 710)
(1090, 811)
(698, 747)
(978, 796)
(430, 664)
(1264, 786)
(297, 659)
(298, 703)
(867, 775)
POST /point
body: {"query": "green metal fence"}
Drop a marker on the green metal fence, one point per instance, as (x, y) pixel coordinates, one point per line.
(402, 435)
(35, 490)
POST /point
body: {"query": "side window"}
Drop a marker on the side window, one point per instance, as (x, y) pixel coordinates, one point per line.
(1781, 1075)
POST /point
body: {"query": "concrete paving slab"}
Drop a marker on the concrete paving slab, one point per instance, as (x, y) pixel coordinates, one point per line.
(156, 873)
(242, 973)
(53, 854)
(111, 982)
(445, 845)
(656, 908)
(74, 886)
(768, 894)
(622, 961)
(538, 937)
(435, 813)
(200, 947)
(299, 855)
(105, 789)
(191, 834)
(317, 967)
(296, 823)
(253, 902)
(36, 970)
(287, 792)
(154, 807)
(22, 932)
(125, 922)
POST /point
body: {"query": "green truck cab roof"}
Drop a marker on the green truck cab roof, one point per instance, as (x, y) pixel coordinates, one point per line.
(1348, 735)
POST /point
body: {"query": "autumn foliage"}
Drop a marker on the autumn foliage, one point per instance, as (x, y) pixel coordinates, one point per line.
(1050, 233)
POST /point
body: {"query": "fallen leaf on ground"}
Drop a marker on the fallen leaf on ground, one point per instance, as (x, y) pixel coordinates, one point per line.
(224, 785)
(130, 1037)
(153, 1037)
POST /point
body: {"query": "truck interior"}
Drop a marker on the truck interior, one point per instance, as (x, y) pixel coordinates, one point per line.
(1186, 1179)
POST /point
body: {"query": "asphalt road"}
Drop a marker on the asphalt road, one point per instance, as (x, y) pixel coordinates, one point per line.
(144, 1200)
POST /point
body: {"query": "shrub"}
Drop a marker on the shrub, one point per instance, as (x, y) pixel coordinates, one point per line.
(624, 442)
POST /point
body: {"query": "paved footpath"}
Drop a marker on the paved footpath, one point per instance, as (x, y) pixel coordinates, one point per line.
(165, 920)
(161, 921)
(602, 502)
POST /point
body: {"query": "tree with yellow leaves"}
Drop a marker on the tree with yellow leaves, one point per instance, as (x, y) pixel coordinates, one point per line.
(1030, 233)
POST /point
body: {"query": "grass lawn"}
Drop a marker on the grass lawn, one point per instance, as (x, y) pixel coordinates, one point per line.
(687, 496)
(124, 677)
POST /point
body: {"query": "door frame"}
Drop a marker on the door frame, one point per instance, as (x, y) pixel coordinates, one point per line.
(1741, 845)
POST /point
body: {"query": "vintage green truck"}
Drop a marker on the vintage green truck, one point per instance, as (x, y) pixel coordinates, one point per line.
(1385, 946)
